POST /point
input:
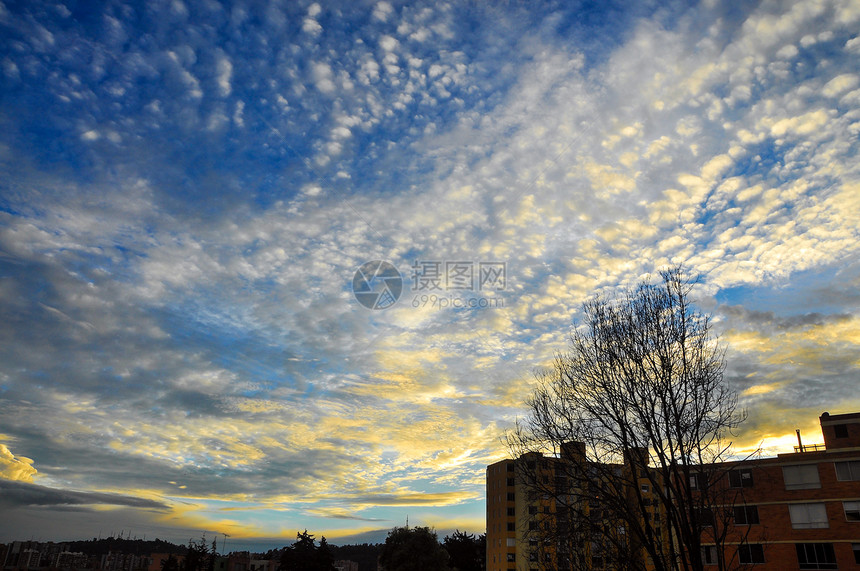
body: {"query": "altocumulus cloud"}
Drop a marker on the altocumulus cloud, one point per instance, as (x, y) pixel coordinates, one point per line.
(189, 187)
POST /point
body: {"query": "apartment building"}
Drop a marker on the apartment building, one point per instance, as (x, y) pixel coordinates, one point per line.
(798, 510)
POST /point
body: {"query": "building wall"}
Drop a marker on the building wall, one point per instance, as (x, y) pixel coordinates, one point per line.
(501, 485)
(508, 503)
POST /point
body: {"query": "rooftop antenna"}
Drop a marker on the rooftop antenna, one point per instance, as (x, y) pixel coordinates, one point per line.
(799, 441)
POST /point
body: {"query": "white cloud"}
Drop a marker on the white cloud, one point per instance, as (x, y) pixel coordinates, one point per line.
(382, 11)
(323, 77)
(224, 69)
(15, 468)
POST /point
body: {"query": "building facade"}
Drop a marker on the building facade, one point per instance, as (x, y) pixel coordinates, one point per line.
(796, 511)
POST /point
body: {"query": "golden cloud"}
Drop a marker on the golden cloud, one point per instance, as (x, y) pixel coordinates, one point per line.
(19, 469)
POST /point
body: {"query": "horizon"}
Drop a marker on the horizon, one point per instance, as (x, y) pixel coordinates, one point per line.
(267, 267)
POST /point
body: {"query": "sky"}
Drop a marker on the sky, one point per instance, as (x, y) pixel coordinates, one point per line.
(275, 266)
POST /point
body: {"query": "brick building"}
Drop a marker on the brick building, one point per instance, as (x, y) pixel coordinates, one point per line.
(799, 510)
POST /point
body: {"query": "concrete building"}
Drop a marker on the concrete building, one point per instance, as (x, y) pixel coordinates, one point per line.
(797, 511)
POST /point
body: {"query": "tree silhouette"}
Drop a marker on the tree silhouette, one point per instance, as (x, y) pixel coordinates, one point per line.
(413, 549)
(629, 429)
(466, 552)
(304, 555)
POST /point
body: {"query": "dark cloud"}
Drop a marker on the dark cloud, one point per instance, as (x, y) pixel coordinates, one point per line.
(743, 317)
(17, 494)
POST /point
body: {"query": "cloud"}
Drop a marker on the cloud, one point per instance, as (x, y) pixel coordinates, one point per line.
(16, 494)
(185, 210)
(15, 468)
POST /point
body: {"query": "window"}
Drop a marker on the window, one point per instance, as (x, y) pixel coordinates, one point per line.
(510, 481)
(704, 517)
(511, 526)
(646, 488)
(816, 555)
(741, 478)
(709, 554)
(852, 510)
(746, 515)
(804, 477)
(512, 512)
(808, 516)
(511, 496)
(856, 548)
(750, 553)
(532, 510)
(512, 557)
(697, 482)
(841, 430)
(848, 470)
(512, 542)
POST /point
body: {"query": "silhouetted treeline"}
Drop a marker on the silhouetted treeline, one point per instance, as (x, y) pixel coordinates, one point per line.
(365, 554)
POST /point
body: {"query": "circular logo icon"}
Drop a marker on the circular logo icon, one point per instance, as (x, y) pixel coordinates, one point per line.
(377, 285)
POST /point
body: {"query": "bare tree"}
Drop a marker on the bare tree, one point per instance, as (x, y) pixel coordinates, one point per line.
(635, 421)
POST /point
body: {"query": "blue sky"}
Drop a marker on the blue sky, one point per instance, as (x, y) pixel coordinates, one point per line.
(188, 189)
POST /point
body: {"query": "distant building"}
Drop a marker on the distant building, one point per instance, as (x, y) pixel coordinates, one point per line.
(155, 561)
(263, 565)
(797, 511)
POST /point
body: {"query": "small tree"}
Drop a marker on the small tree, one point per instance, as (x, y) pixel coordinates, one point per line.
(304, 555)
(640, 415)
(466, 552)
(170, 564)
(198, 557)
(413, 549)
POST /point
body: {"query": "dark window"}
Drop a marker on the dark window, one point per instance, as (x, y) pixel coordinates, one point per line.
(511, 526)
(704, 517)
(512, 557)
(741, 478)
(511, 496)
(856, 548)
(816, 555)
(746, 515)
(852, 510)
(750, 553)
(697, 482)
(532, 510)
(709, 554)
(841, 430)
(510, 481)
(512, 512)
(510, 467)
(846, 471)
